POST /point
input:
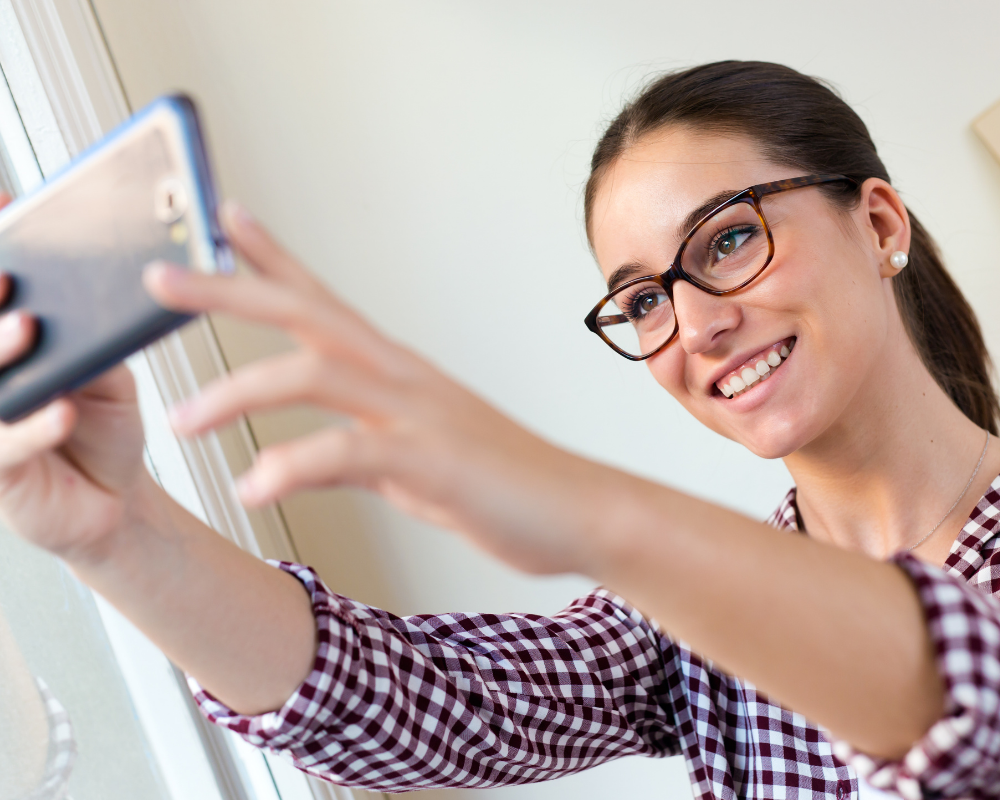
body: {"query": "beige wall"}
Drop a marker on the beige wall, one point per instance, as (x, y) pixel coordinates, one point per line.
(427, 158)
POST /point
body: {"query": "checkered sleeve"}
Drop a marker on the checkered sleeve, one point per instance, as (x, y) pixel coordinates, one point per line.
(397, 704)
(960, 755)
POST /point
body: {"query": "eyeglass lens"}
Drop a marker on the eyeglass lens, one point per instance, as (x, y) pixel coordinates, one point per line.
(723, 252)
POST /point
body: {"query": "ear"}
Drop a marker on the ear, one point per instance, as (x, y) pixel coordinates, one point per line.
(885, 223)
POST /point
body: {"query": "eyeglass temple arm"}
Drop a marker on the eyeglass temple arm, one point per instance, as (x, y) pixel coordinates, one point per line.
(774, 187)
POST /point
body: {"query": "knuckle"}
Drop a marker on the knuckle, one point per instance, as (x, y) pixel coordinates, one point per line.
(314, 376)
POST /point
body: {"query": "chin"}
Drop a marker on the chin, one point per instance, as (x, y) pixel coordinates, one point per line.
(773, 447)
(771, 438)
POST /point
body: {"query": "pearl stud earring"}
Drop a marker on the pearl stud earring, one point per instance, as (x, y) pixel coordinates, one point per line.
(899, 259)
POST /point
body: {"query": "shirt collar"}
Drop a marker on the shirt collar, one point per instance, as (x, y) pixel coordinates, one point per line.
(966, 554)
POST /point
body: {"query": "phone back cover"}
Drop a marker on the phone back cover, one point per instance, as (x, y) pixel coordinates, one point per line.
(77, 256)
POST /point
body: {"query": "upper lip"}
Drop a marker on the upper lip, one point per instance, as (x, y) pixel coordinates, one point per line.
(738, 359)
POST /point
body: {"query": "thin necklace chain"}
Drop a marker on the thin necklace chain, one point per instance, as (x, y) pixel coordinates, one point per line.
(958, 500)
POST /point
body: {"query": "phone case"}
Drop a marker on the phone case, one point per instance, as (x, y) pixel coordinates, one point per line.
(76, 249)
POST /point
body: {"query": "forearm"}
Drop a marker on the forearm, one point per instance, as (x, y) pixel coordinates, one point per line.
(243, 629)
(833, 635)
(380, 677)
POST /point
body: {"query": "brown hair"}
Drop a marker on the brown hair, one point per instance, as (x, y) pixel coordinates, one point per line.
(801, 122)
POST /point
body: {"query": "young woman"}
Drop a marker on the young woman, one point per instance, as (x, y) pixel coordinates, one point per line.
(772, 280)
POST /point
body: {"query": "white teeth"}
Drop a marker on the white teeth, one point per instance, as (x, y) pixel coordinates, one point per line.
(761, 371)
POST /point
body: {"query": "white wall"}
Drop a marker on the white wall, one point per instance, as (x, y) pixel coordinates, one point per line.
(427, 159)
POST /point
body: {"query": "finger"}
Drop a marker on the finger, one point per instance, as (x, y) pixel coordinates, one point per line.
(6, 284)
(299, 377)
(248, 296)
(307, 316)
(116, 385)
(331, 457)
(37, 433)
(259, 248)
(17, 335)
(5, 199)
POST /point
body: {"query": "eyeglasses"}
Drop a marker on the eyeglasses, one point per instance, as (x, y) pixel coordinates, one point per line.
(726, 250)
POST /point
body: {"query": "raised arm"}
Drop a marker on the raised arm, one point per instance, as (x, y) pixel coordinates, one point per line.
(836, 636)
(361, 694)
(472, 700)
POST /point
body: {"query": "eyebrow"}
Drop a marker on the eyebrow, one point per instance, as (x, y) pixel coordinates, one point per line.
(626, 272)
(634, 269)
(699, 213)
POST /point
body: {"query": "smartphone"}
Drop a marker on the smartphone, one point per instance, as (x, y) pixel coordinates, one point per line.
(76, 248)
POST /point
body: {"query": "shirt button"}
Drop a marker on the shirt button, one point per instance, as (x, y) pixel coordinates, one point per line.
(843, 789)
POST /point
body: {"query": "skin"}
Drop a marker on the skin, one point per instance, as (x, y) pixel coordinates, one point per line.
(813, 621)
(874, 469)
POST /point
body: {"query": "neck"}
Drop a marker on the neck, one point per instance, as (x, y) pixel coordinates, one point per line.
(880, 478)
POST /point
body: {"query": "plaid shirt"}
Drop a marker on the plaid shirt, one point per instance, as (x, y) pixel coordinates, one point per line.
(481, 700)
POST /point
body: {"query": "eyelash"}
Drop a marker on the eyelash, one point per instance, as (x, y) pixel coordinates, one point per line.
(751, 229)
(628, 312)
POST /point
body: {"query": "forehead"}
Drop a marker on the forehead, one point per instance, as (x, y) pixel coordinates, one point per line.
(643, 199)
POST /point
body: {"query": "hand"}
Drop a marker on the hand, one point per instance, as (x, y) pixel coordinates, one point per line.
(67, 471)
(419, 439)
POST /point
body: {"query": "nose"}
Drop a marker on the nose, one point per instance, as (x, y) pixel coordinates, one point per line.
(703, 319)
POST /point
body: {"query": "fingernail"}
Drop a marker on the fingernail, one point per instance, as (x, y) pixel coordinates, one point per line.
(238, 214)
(246, 488)
(179, 414)
(164, 272)
(9, 323)
(53, 416)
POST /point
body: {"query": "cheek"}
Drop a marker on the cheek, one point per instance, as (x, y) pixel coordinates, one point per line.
(836, 304)
(667, 368)
(842, 302)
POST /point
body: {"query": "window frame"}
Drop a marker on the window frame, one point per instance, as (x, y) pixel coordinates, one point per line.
(85, 96)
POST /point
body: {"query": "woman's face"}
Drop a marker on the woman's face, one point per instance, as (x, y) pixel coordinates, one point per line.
(824, 294)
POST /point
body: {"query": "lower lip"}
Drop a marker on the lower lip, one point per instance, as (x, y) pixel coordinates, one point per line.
(759, 393)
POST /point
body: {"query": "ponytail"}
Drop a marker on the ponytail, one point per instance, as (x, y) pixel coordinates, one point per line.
(944, 330)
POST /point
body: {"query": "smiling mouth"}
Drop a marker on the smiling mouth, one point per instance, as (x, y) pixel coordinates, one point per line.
(755, 369)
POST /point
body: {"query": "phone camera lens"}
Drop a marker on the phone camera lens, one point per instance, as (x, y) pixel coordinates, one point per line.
(170, 201)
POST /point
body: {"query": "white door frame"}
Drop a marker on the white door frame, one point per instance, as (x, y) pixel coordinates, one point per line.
(88, 99)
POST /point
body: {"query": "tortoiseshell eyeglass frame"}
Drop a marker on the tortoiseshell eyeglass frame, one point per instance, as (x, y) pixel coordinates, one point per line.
(752, 196)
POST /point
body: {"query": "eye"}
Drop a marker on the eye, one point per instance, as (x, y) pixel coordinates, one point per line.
(644, 302)
(729, 242)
